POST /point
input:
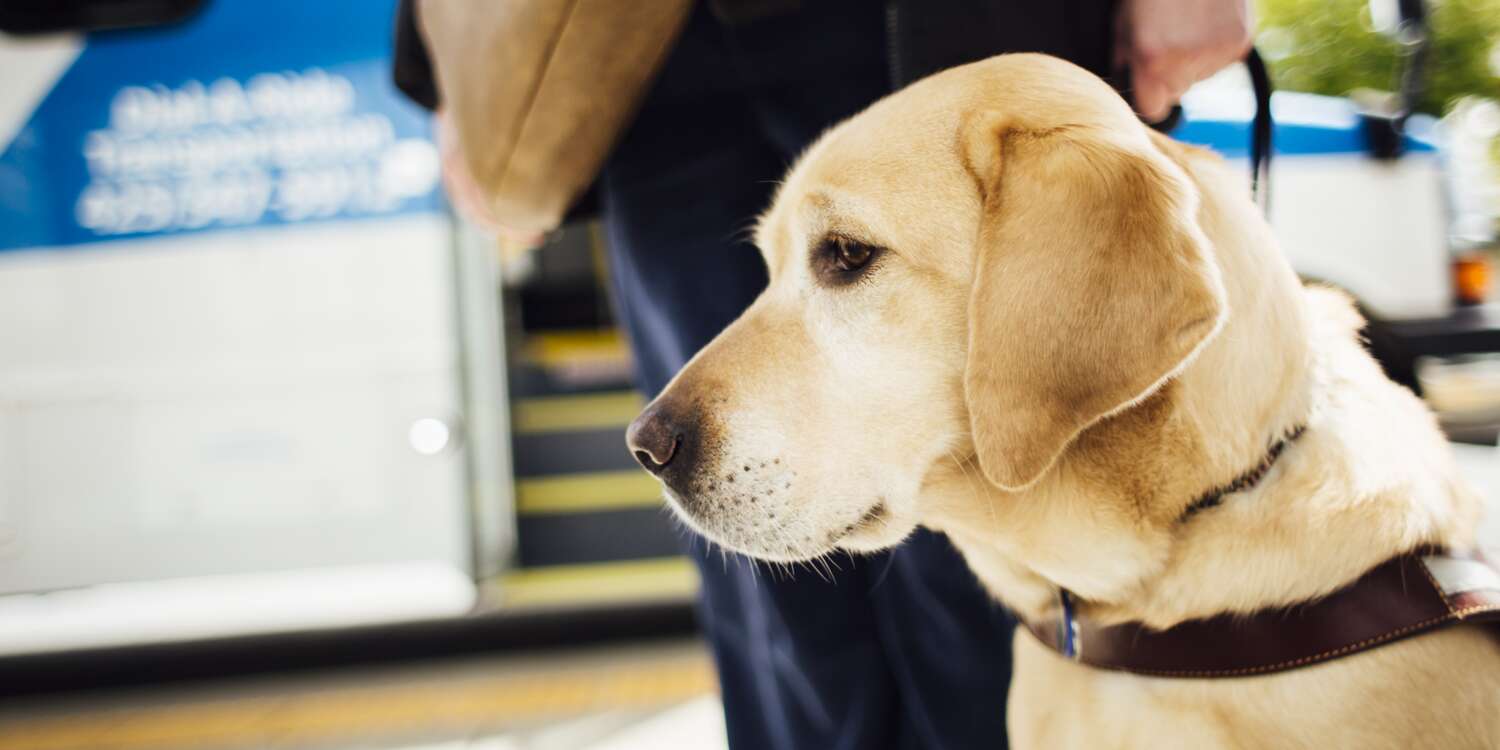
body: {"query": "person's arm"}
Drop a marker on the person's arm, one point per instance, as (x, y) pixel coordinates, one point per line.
(1170, 45)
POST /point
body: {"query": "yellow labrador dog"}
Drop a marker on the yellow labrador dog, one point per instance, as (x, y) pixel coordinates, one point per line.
(1002, 308)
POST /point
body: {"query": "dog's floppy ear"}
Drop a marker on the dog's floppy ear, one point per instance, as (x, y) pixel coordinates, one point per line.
(1092, 286)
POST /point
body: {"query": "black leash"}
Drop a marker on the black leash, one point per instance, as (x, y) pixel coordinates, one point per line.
(1260, 127)
(1260, 131)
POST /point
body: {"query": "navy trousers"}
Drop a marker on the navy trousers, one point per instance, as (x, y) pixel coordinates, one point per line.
(901, 649)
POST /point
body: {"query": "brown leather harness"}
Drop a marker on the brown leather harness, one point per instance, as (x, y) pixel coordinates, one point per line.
(1412, 593)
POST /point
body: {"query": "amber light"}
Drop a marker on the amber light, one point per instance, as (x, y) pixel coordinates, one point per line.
(1471, 278)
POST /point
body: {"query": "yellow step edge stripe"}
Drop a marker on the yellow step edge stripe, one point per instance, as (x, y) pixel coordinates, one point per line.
(556, 349)
(583, 493)
(325, 716)
(583, 412)
(578, 338)
(556, 585)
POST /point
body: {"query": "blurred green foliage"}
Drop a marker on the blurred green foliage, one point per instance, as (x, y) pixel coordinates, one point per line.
(1328, 47)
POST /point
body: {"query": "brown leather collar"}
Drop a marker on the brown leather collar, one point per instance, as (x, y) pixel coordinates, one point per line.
(1412, 593)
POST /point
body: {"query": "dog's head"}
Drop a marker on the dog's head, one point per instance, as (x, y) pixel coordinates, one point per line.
(981, 265)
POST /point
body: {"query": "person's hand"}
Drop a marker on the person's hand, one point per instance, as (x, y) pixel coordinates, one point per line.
(1172, 44)
(468, 198)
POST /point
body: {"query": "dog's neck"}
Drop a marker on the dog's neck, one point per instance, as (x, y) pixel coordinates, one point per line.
(1107, 522)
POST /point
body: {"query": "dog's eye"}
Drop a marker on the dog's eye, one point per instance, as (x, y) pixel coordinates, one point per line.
(852, 256)
(840, 259)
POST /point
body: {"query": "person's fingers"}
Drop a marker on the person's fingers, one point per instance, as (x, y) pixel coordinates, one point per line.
(522, 238)
(466, 196)
(468, 199)
(458, 182)
(1178, 81)
(1153, 100)
(1161, 80)
(1172, 44)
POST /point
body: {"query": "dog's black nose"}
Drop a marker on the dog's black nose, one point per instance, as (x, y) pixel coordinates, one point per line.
(654, 438)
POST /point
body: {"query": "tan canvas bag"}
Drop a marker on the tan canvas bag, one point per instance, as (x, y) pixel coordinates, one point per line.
(539, 90)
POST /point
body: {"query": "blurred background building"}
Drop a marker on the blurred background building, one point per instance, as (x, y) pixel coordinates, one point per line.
(291, 457)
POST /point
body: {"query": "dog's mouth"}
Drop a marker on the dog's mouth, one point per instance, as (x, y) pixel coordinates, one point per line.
(875, 516)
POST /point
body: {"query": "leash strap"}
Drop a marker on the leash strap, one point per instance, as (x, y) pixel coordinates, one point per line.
(1261, 127)
(1261, 131)
(1409, 594)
